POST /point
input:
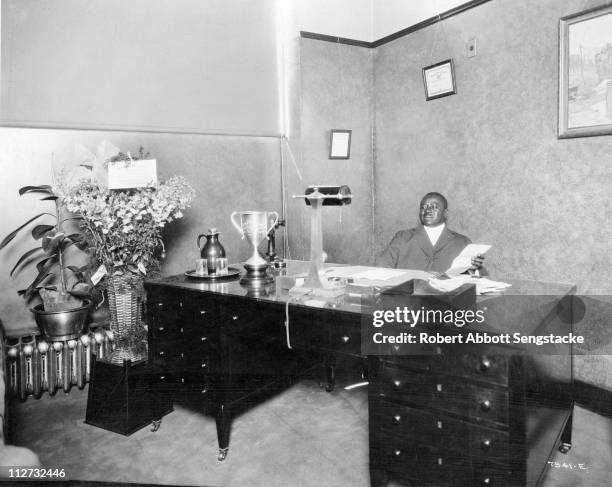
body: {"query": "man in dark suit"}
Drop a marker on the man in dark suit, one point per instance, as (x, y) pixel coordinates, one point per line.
(431, 246)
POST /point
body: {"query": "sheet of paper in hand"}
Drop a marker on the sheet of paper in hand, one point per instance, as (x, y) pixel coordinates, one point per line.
(464, 260)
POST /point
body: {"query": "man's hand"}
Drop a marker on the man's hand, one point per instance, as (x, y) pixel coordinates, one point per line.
(477, 262)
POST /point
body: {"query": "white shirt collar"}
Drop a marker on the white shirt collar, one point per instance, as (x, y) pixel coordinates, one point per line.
(434, 233)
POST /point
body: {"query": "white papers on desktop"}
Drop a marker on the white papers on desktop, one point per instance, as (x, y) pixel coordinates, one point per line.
(464, 260)
(379, 274)
(483, 285)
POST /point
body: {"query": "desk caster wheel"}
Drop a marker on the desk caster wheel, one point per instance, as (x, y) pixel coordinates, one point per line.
(222, 454)
(156, 423)
(565, 447)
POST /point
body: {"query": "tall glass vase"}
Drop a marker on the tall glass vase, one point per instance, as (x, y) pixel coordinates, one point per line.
(125, 299)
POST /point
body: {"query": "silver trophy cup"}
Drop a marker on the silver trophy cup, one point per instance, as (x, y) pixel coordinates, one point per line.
(255, 226)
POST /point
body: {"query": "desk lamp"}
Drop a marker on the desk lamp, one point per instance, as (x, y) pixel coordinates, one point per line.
(316, 197)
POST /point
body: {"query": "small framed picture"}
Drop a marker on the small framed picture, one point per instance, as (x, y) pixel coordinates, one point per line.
(340, 144)
(439, 80)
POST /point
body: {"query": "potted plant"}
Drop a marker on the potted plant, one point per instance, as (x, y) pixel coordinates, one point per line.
(65, 306)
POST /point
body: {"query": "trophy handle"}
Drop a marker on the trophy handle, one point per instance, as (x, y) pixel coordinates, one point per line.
(238, 227)
(275, 221)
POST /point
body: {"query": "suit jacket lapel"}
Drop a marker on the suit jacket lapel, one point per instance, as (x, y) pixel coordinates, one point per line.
(445, 237)
(423, 240)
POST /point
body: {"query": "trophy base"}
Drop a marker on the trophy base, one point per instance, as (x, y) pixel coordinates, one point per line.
(256, 275)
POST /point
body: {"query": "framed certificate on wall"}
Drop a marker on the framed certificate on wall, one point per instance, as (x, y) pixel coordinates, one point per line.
(439, 80)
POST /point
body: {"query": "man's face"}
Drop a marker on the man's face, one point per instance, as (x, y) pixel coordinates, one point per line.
(432, 211)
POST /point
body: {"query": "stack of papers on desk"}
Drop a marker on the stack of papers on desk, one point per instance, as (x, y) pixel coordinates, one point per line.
(361, 275)
(483, 285)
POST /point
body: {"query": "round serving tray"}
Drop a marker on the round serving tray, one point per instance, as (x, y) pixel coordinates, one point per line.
(232, 273)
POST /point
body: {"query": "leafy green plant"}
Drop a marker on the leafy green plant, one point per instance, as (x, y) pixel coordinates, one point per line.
(51, 281)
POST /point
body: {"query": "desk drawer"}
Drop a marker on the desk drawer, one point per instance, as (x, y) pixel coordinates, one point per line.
(431, 467)
(486, 367)
(336, 333)
(438, 430)
(345, 339)
(166, 382)
(445, 393)
(198, 317)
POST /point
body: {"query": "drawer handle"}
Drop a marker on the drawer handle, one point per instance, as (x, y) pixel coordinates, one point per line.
(345, 339)
(204, 391)
(397, 418)
(439, 424)
(162, 353)
(485, 364)
(397, 453)
(202, 311)
(486, 444)
(162, 377)
(180, 304)
(485, 405)
(487, 481)
(439, 387)
(161, 328)
(183, 380)
(397, 383)
(182, 355)
(203, 339)
(235, 317)
(160, 305)
(440, 462)
(204, 365)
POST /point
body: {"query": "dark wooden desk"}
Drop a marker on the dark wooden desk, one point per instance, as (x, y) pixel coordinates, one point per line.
(477, 418)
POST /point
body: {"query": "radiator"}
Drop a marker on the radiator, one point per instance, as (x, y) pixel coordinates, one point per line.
(36, 365)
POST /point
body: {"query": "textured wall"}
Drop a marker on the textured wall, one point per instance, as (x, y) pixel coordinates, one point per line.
(330, 88)
(229, 173)
(492, 148)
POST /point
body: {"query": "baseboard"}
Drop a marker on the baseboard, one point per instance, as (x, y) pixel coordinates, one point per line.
(593, 398)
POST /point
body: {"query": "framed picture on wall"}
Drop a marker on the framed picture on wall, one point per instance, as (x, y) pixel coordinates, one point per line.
(585, 73)
(340, 144)
(439, 80)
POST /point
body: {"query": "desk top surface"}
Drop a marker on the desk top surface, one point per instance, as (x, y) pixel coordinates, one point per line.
(525, 289)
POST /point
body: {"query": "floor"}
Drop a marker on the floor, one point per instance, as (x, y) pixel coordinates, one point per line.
(302, 437)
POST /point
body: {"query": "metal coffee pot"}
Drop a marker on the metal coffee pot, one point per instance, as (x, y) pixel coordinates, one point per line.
(212, 249)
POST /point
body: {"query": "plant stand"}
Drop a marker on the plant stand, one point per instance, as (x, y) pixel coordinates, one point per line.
(120, 398)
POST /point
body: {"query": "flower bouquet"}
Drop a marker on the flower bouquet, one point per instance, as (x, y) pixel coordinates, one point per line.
(124, 229)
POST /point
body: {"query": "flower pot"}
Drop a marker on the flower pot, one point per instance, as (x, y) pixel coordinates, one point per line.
(125, 299)
(61, 325)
